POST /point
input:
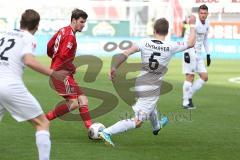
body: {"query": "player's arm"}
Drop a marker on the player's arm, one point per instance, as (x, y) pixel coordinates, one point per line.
(30, 61)
(120, 58)
(188, 43)
(192, 36)
(50, 46)
(206, 46)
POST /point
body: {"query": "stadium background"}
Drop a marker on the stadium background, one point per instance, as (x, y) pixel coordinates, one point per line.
(128, 20)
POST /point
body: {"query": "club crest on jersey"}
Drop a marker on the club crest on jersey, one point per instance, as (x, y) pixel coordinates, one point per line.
(69, 45)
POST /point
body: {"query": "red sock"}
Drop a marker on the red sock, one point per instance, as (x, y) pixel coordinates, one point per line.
(84, 113)
(57, 112)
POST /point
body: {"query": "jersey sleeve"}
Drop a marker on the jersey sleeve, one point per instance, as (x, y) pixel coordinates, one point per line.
(139, 44)
(50, 46)
(29, 45)
(178, 47)
(205, 42)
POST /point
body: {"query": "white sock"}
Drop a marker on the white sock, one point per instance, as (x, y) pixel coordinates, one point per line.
(187, 91)
(43, 144)
(120, 126)
(196, 86)
(154, 120)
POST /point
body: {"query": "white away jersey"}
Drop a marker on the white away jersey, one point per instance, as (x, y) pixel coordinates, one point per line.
(13, 46)
(156, 53)
(201, 35)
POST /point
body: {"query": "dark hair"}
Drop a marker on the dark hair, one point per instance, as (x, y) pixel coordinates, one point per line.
(203, 7)
(77, 13)
(30, 19)
(161, 26)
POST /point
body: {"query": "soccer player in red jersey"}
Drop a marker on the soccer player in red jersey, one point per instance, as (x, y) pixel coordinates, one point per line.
(62, 49)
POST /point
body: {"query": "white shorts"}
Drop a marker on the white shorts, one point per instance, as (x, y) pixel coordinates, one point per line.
(18, 101)
(196, 64)
(144, 107)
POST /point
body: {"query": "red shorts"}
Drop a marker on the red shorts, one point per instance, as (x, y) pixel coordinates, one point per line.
(68, 88)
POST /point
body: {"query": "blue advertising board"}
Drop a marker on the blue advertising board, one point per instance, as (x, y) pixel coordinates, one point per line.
(108, 46)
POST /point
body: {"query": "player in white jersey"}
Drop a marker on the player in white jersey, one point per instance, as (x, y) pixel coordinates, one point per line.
(17, 51)
(155, 54)
(193, 61)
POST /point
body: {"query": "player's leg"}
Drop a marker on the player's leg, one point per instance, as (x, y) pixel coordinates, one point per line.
(203, 76)
(3, 92)
(126, 124)
(63, 88)
(119, 127)
(84, 111)
(70, 104)
(157, 124)
(187, 89)
(24, 107)
(123, 126)
(2, 111)
(43, 141)
(189, 67)
(142, 110)
(75, 98)
(61, 109)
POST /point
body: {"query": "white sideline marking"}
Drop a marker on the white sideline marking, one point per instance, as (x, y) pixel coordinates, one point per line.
(234, 80)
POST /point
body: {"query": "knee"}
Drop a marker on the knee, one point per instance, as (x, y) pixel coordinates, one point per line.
(73, 105)
(138, 123)
(41, 123)
(204, 77)
(190, 77)
(83, 100)
(45, 123)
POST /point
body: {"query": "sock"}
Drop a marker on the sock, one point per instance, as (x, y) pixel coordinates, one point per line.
(58, 111)
(154, 120)
(187, 91)
(85, 115)
(120, 126)
(196, 86)
(43, 144)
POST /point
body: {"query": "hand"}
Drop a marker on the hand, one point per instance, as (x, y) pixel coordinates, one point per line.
(112, 74)
(208, 60)
(192, 20)
(60, 75)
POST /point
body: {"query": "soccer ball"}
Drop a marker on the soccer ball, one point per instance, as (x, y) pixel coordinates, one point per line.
(94, 129)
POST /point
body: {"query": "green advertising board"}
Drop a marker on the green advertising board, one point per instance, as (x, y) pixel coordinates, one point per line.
(107, 28)
(93, 27)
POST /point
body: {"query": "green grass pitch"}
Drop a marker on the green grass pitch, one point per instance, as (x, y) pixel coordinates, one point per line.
(211, 132)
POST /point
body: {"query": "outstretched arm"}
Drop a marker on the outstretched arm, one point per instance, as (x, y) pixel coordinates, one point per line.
(30, 61)
(192, 35)
(120, 58)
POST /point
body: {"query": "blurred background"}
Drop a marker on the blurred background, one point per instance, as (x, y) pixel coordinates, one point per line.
(129, 20)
